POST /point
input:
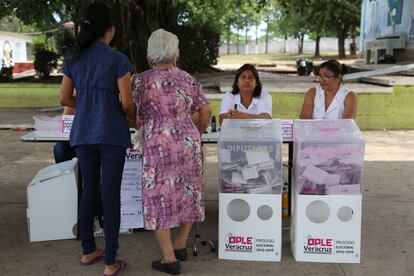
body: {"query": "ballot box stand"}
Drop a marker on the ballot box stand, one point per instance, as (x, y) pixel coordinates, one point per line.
(327, 199)
(52, 203)
(250, 188)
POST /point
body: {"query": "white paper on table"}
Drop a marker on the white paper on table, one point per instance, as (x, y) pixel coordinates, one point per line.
(237, 177)
(315, 174)
(254, 157)
(225, 156)
(250, 173)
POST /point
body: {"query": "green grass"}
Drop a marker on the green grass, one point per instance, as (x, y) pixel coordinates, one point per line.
(29, 95)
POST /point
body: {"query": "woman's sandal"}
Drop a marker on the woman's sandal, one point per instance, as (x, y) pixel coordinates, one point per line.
(122, 265)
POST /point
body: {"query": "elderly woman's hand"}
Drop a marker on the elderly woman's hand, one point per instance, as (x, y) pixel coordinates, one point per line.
(195, 117)
(138, 123)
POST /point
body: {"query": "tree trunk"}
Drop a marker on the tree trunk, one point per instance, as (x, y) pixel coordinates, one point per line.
(317, 42)
(256, 47)
(228, 39)
(246, 41)
(238, 41)
(300, 43)
(267, 38)
(341, 41)
(136, 21)
(285, 44)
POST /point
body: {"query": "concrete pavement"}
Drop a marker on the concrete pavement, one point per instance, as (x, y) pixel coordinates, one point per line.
(387, 222)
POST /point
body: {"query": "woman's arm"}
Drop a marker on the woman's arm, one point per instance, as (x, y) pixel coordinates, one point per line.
(66, 92)
(307, 107)
(128, 105)
(204, 117)
(350, 105)
(224, 116)
(243, 115)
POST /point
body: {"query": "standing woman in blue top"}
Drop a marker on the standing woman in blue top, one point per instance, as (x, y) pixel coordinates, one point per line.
(100, 133)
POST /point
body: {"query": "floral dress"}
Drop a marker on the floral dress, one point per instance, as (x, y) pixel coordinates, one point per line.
(172, 178)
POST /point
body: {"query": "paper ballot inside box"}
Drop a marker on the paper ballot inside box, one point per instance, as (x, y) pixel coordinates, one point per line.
(250, 157)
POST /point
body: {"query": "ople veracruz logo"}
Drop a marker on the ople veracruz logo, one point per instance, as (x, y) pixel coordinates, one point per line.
(318, 245)
(234, 243)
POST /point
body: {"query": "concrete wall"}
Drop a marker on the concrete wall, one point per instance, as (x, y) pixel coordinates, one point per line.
(328, 44)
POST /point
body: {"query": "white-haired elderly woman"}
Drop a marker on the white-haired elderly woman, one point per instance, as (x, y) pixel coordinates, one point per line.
(173, 112)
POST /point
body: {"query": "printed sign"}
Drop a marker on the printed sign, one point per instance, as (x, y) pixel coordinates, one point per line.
(67, 121)
(328, 246)
(249, 244)
(287, 129)
(131, 191)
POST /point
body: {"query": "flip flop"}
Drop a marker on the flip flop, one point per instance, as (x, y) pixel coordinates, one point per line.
(122, 265)
(94, 260)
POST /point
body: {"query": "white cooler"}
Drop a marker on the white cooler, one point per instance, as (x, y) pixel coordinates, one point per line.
(52, 203)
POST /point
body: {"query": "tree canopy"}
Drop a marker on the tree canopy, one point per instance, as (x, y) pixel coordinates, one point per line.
(200, 23)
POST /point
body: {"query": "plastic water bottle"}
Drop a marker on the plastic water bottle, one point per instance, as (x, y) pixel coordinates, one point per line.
(213, 124)
(285, 201)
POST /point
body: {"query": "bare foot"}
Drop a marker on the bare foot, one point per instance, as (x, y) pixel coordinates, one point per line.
(86, 259)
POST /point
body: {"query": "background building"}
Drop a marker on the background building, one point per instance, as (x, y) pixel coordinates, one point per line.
(15, 48)
(387, 27)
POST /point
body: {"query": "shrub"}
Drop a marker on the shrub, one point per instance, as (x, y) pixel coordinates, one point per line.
(45, 58)
(45, 61)
(6, 73)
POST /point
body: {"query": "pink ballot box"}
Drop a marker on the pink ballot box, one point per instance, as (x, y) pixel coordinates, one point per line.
(250, 167)
(328, 169)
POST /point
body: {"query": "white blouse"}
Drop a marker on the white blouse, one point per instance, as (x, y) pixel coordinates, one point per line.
(263, 104)
(335, 109)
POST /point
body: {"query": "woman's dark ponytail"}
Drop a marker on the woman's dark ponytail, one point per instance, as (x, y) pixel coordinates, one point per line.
(97, 21)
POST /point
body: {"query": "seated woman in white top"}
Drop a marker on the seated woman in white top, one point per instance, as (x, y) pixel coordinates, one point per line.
(246, 100)
(330, 99)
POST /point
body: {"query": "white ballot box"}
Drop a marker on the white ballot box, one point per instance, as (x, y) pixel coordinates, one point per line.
(52, 203)
(250, 167)
(327, 195)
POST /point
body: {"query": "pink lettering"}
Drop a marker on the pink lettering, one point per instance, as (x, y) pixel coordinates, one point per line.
(241, 240)
(320, 242)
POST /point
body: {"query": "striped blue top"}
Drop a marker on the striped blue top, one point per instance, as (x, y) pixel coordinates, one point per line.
(99, 117)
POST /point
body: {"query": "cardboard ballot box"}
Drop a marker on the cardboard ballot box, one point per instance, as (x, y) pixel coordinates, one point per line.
(250, 168)
(52, 203)
(328, 169)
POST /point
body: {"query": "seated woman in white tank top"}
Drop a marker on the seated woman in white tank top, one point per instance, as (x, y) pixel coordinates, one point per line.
(330, 99)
